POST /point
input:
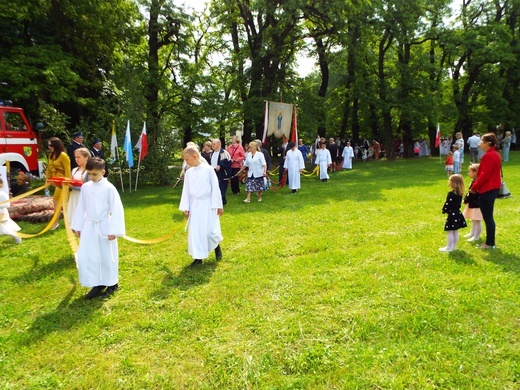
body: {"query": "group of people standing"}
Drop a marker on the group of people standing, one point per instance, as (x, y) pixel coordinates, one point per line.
(94, 210)
(480, 199)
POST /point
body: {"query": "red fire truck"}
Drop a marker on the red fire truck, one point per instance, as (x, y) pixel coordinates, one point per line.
(18, 142)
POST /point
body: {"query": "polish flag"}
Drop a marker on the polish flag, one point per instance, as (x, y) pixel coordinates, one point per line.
(142, 144)
(438, 137)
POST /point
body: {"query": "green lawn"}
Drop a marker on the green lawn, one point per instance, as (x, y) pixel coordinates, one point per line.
(340, 286)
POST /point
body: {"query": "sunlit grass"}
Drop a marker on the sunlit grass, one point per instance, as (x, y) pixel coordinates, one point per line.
(338, 286)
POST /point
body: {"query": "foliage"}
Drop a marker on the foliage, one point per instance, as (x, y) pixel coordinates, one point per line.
(338, 286)
(383, 69)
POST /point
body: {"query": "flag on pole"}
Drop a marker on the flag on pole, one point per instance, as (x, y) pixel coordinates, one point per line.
(266, 120)
(294, 135)
(142, 144)
(438, 136)
(127, 146)
(113, 142)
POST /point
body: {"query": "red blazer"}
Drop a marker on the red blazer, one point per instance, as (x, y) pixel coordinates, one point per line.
(489, 176)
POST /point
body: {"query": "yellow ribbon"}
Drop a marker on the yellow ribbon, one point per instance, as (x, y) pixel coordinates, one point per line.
(26, 194)
(315, 171)
(159, 239)
(71, 236)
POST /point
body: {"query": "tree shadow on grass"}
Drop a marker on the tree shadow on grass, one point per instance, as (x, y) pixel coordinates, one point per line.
(66, 315)
(38, 272)
(508, 261)
(187, 278)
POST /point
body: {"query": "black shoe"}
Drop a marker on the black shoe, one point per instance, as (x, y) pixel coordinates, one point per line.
(95, 292)
(196, 262)
(218, 252)
(293, 191)
(110, 290)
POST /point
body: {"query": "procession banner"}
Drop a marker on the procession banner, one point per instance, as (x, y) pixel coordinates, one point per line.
(280, 119)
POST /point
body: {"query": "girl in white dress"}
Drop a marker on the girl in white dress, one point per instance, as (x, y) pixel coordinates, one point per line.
(324, 160)
(348, 155)
(79, 173)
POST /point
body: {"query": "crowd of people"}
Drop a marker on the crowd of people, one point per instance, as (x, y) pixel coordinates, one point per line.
(486, 179)
(94, 210)
(96, 213)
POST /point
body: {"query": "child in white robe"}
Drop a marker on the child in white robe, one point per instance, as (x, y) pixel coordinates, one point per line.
(98, 220)
(7, 226)
(201, 201)
(348, 155)
(294, 165)
(79, 173)
(324, 160)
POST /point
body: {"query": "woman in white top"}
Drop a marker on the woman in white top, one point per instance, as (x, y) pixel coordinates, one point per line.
(255, 162)
(79, 173)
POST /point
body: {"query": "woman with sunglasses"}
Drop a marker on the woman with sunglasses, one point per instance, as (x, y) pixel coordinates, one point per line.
(57, 166)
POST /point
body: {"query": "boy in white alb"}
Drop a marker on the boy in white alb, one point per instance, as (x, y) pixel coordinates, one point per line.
(98, 220)
(201, 201)
(324, 160)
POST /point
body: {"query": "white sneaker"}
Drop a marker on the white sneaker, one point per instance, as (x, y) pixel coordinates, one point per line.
(471, 239)
(445, 249)
(468, 235)
(18, 240)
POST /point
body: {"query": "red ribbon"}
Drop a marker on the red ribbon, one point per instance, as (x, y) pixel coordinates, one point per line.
(62, 180)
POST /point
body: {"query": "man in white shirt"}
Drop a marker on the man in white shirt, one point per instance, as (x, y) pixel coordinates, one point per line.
(473, 147)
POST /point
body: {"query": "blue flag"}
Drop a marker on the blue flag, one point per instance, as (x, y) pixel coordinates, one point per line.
(127, 147)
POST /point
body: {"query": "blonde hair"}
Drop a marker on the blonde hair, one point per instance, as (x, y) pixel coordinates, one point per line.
(457, 184)
(190, 150)
(192, 145)
(254, 144)
(83, 151)
(474, 167)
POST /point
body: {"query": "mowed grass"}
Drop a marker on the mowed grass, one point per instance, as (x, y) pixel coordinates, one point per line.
(340, 286)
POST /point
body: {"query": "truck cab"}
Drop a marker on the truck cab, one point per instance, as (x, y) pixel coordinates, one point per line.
(18, 142)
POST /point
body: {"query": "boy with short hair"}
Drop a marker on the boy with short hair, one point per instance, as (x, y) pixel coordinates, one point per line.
(98, 220)
(201, 201)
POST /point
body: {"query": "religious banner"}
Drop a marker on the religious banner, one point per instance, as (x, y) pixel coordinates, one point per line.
(280, 116)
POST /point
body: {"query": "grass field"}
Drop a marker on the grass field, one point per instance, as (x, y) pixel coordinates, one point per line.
(340, 286)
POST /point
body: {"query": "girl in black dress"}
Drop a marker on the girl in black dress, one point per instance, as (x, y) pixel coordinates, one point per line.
(455, 220)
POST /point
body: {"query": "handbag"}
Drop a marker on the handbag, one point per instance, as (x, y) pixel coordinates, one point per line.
(503, 192)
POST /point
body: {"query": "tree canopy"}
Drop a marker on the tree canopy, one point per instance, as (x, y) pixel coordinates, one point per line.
(384, 69)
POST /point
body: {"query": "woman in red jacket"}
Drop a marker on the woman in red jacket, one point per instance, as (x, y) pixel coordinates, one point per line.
(488, 184)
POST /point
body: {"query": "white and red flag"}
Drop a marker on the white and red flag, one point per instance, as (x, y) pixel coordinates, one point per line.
(142, 144)
(438, 137)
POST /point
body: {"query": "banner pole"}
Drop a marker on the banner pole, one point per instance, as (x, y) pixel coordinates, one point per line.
(138, 166)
